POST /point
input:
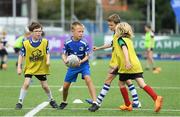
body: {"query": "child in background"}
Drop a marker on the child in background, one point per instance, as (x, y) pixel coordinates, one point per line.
(19, 41)
(149, 46)
(3, 51)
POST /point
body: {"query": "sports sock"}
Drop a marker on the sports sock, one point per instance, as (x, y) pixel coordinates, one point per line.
(49, 94)
(151, 92)
(22, 95)
(134, 94)
(103, 93)
(124, 93)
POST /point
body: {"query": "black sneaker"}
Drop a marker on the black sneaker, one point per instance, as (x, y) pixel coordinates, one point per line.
(18, 106)
(94, 107)
(62, 105)
(53, 104)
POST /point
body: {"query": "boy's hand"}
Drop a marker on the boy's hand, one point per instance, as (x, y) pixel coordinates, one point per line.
(66, 61)
(47, 63)
(79, 62)
(94, 48)
(19, 71)
(128, 65)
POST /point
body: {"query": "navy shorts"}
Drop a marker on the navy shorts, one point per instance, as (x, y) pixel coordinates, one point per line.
(39, 77)
(3, 52)
(125, 76)
(17, 50)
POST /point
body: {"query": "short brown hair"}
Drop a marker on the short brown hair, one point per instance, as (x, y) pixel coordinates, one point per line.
(34, 25)
(114, 18)
(76, 23)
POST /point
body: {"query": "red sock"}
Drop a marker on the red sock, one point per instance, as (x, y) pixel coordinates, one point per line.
(124, 93)
(151, 92)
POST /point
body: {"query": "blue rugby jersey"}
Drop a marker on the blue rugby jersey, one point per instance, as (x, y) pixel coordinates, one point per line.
(79, 48)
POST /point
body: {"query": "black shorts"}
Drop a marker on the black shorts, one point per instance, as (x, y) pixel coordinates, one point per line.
(3, 52)
(124, 77)
(39, 77)
(17, 50)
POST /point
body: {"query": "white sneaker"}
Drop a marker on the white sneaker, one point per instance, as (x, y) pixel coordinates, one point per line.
(136, 105)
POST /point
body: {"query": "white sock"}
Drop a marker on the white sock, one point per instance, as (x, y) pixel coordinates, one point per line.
(49, 96)
(134, 94)
(103, 93)
(22, 95)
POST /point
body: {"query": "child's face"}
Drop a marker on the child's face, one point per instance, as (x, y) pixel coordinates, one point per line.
(146, 28)
(78, 32)
(37, 33)
(112, 26)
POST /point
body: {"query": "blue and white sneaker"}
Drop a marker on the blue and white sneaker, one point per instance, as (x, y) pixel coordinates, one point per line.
(89, 101)
(136, 105)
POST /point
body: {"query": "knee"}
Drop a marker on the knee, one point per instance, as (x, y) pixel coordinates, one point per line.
(88, 81)
(142, 85)
(25, 86)
(121, 84)
(128, 82)
(109, 80)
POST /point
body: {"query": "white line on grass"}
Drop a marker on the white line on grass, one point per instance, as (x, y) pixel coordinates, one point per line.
(36, 109)
(102, 109)
(83, 86)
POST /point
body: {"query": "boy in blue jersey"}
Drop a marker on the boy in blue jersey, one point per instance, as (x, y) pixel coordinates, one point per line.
(77, 46)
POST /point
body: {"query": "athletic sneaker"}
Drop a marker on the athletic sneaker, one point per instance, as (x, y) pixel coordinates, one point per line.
(124, 107)
(158, 103)
(136, 105)
(89, 101)
(62, 105)
(18, 106)
(94, 107)
(53, 104)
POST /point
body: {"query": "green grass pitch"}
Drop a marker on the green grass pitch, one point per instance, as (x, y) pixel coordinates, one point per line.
(167, 84)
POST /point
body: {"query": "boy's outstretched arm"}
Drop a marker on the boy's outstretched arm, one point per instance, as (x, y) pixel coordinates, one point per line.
(102, 47)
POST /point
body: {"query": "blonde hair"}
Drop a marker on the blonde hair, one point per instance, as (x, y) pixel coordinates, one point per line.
(76, 23)
(123, 29)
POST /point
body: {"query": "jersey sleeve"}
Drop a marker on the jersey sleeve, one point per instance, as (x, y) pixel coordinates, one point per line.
(65, 48)
(87, 50)
(111, 43)
(47, 47)
(121, 42)
(23, 51)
